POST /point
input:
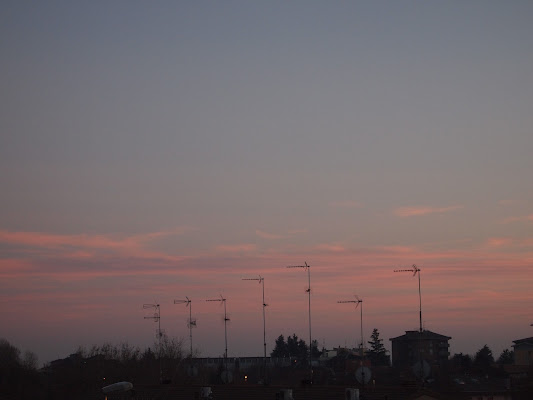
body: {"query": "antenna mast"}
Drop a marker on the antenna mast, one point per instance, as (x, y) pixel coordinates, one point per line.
(192, 322)
(308, 290)
(262, 281)
(358, 302)
(416, 271)
(157, 318)
(226, 319)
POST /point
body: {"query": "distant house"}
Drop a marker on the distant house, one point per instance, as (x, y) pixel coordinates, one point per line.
(523, 351)
(430, 346)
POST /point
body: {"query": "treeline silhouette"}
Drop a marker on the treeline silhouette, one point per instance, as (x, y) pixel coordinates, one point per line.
(82, 374)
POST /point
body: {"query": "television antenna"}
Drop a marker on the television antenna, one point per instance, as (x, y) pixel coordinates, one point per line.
(261, 281)
(157, 318)
(363, 371)
(191, 323)
(357, 302)
(226, 319)
(420, 364)
(308, 290)
(416, 271)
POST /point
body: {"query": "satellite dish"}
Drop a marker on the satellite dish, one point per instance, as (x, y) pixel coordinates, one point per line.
(363, 375)
(227, 376)
(192, 370)
(421, 369)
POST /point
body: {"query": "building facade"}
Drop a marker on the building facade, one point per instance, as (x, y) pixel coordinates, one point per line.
(523, 351)
(410, 348)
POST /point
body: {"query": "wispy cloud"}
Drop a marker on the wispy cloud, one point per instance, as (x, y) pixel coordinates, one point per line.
(237, 248)
(276, 236)
(82, 247)
(39, 239)
(424, 210)
(522, 218)
(297, 231)
(508, 202)
(269, 236)
(336, 248)
(345, 204)
(500, 242)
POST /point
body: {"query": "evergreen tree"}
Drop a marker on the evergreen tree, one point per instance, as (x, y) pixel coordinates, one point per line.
(314, 350)
(483, 357)
(280, 350)
(377, 353)
(507, 357)
(462, 361)
(294, 347)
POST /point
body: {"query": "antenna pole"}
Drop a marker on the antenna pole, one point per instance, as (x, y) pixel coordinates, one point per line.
(264, 323)
(225, 331)
(358, 302)
(362, 341)
(415, 270)
(192, 323)
(419, 298)
(308, 268)
(262, 281)
(309, 296)
(157, 318)
(226, 319)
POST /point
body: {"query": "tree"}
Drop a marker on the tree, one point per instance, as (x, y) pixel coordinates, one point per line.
(29, 360)
(315, 353)
(171, 348)
(462, 361)
(9, 355)
(507, 357)
(280, 350)
(483, 357)
(293, 347)
(377, 353)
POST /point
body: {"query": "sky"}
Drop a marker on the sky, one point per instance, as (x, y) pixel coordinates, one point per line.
(155, 151)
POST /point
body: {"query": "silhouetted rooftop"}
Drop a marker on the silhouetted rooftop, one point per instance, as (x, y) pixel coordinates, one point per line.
(415, 335)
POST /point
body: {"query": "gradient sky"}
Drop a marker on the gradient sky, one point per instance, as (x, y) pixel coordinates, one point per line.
(152, 151)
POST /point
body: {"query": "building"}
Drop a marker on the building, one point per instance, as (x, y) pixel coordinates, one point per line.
(523, 351)
(408, 349)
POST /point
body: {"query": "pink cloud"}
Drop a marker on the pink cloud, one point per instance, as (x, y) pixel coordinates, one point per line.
(518, 219)
(423, 210)
(86, 245)
(331, 247)
(508, 202)
(237, 248)
(500, 242)
(297, 231)
(269, 236)
(345, 204)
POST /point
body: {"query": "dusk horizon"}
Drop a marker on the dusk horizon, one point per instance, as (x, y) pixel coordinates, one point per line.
(155, 152)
